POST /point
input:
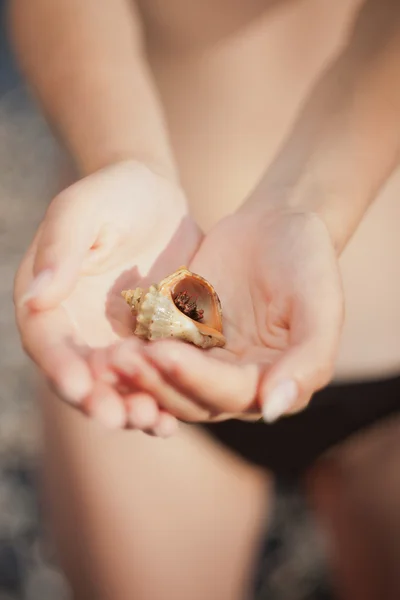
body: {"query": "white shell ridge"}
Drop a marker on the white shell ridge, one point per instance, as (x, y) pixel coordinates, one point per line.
(159, 317)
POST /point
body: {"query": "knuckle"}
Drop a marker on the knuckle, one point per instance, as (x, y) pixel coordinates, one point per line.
(67, 197)
(63, 204)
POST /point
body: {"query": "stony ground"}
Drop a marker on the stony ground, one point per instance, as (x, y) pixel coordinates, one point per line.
(27, 156)
(26, 152)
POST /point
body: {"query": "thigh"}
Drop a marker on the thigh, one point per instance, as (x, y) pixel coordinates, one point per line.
(146, 518)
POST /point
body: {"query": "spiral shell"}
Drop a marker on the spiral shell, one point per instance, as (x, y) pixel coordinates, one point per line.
(183, 305)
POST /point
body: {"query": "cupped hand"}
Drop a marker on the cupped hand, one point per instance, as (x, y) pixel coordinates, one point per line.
(101, 235)
(277, 276)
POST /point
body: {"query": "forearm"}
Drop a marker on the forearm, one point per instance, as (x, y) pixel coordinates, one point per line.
(346, 142)
(84, 62)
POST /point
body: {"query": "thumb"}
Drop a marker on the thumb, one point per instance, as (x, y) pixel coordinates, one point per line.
(66, 237)
(308, 363)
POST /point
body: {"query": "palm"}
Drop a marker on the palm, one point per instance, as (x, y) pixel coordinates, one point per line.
(271, 274)
(255, 312)
(143, 235)
(127, 225)
(97, 312)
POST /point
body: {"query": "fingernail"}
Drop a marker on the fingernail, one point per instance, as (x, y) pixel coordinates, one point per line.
(38, 285)
(279, 400)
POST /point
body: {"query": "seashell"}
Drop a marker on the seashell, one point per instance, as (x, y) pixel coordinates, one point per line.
(183, 305)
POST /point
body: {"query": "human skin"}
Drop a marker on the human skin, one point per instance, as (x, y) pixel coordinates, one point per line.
(79, 456)
(281, 246)
(127, 203)
(319, 184)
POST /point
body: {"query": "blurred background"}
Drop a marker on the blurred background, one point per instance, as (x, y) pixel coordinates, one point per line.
(28, 568)
(26, 562)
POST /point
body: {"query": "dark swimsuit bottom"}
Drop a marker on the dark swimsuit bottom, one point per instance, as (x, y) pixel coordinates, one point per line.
(291, 564)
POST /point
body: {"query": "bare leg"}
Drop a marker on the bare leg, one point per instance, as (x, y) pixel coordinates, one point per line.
(151, 519)
(145, 518)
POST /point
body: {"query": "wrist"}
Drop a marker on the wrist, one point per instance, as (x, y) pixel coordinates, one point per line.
(329, 179)
(101, 158)
(340, 211)
(341, 152)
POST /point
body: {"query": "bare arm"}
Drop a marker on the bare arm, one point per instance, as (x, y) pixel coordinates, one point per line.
(346, 141)
(84, 61)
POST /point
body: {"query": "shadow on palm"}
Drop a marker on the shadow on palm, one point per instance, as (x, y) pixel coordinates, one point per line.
(96, 308)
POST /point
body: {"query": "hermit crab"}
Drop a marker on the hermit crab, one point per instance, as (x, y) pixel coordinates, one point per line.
(183, 305)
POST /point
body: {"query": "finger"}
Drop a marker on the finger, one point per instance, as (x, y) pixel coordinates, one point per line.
(308, 364)
(166, 427)
(142, 411)
(46, 337)
(221, 385)
(67, 234)
(126, 359)
(105, 406)
(100, 366)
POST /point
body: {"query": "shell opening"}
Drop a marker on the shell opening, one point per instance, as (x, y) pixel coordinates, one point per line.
(187, 304)
(193, 298)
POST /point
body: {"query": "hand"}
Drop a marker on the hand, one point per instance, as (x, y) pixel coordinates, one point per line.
(99, 236)
(278, 280)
